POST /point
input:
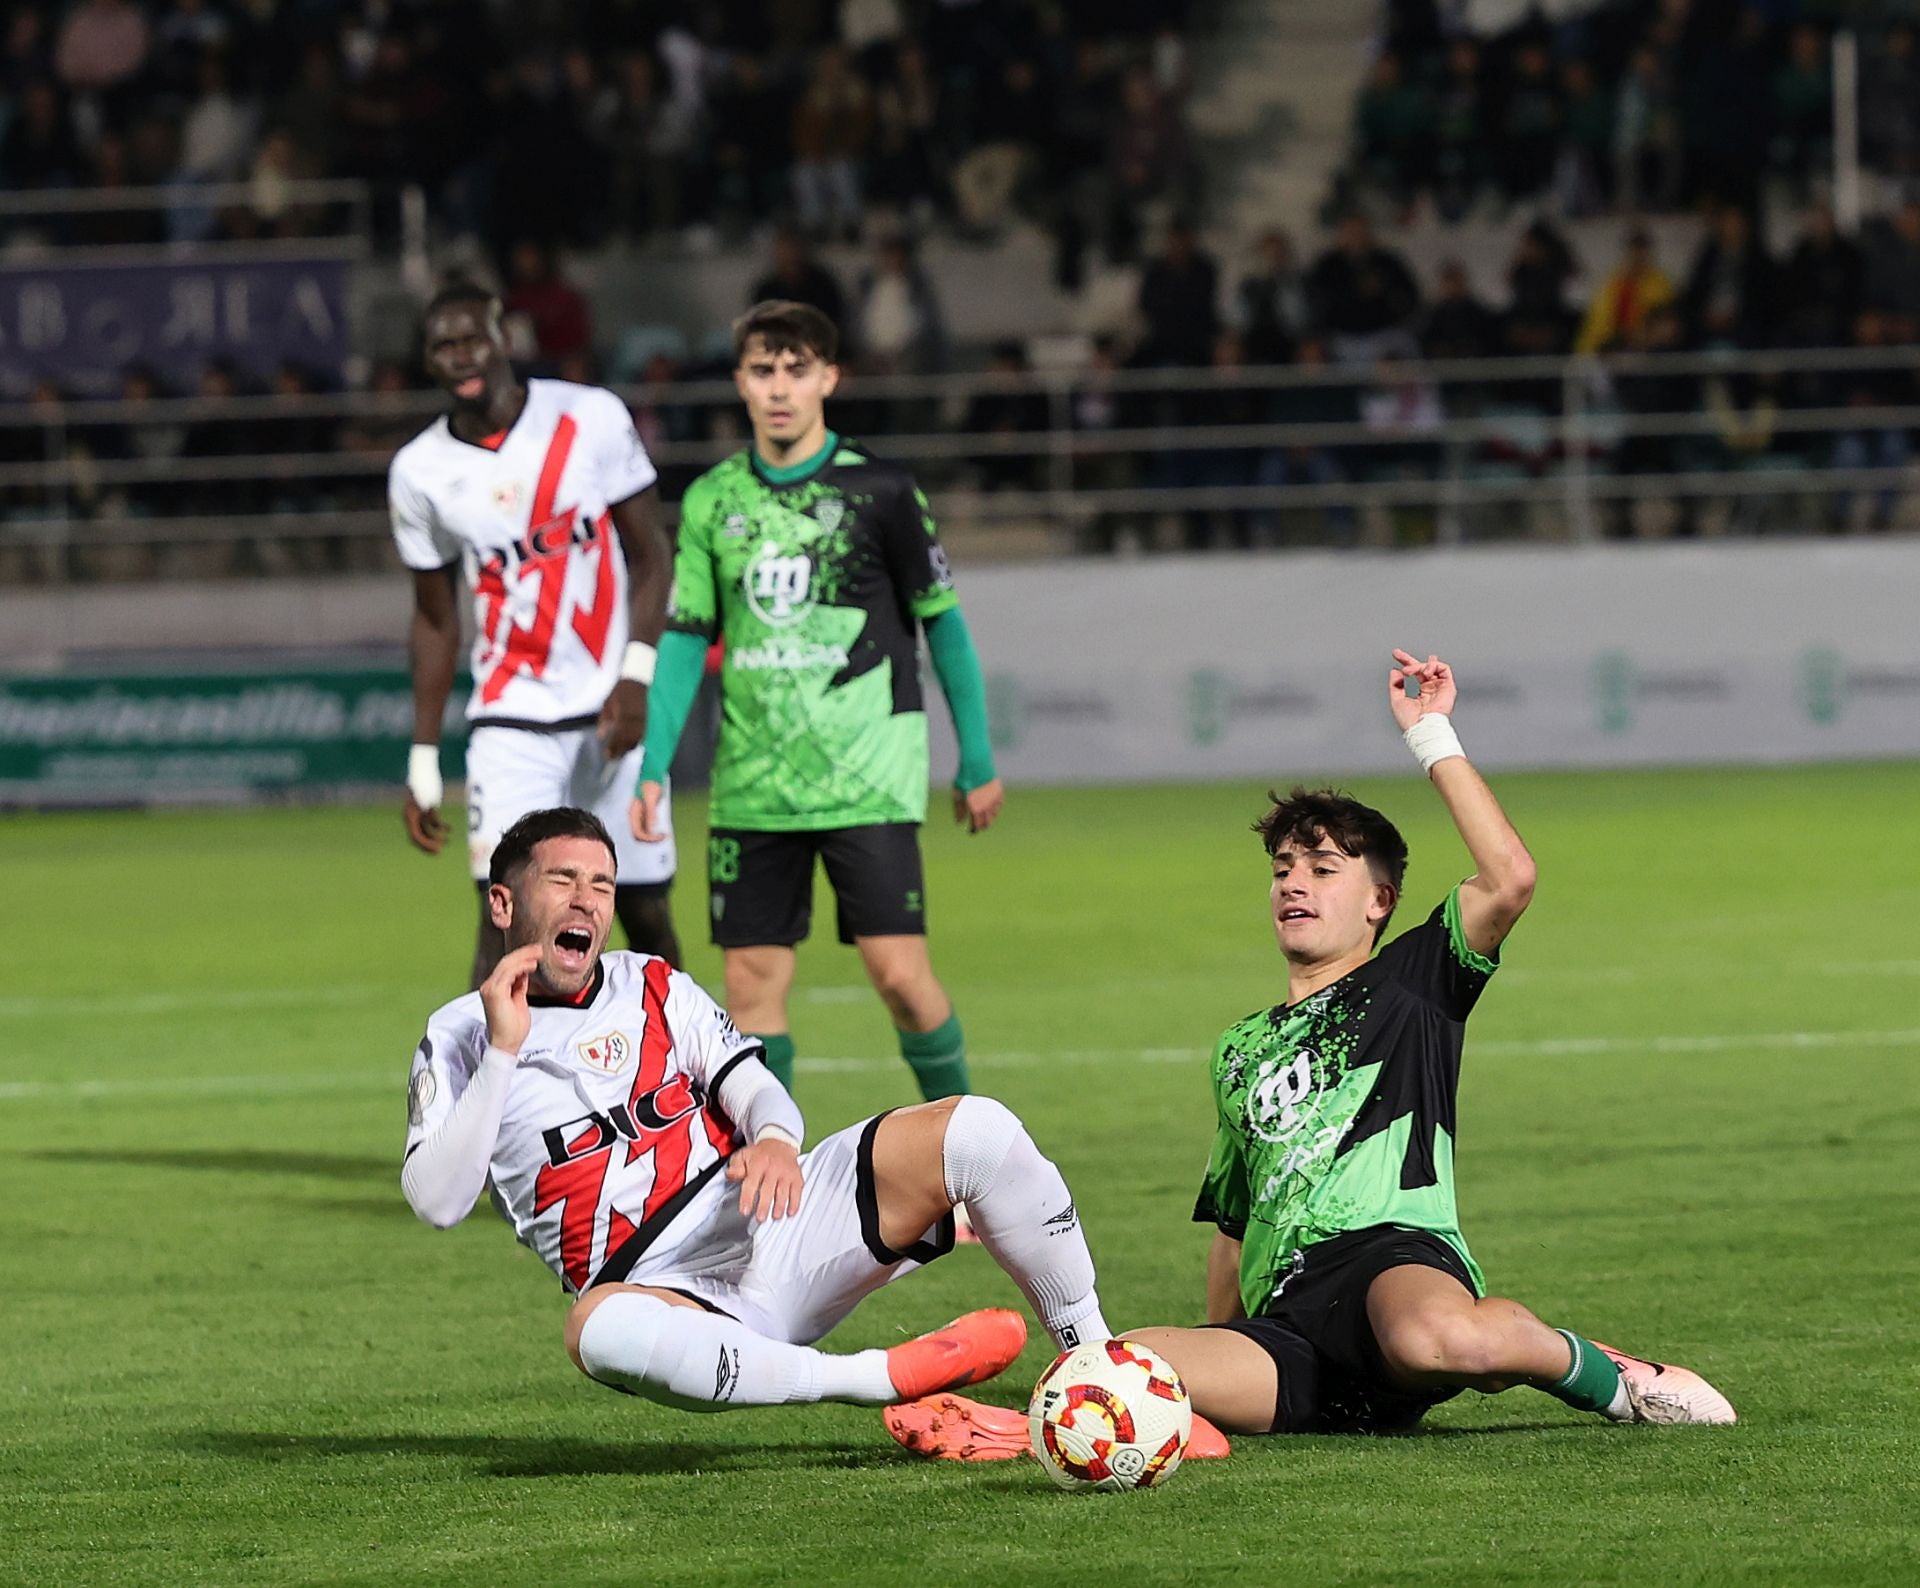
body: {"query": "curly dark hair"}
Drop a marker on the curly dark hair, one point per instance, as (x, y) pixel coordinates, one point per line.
(1310, 816)
(783, 326)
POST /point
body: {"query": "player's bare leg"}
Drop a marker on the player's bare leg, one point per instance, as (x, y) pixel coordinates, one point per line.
(931, 1041)
(758, 980)
(645, 913)
(1433, 1332)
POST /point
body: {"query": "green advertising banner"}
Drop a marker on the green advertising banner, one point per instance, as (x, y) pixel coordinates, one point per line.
(87, 739)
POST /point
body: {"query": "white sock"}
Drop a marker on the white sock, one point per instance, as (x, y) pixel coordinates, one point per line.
(702, 1362)
(1024, 1215)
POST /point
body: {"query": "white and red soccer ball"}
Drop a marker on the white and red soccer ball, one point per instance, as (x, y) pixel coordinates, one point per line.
(1109, 1415)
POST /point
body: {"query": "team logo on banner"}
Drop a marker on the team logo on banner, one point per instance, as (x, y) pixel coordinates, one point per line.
(608, 1054)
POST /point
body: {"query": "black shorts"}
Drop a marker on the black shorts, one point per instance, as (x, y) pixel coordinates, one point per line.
(1333, 1379)
(760, 885)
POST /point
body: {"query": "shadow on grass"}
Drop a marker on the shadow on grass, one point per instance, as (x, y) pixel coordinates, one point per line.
(234, 1160)
(512, 1456)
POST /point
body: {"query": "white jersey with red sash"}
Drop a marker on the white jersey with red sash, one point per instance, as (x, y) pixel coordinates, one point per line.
(609, 1129)
(527, 515)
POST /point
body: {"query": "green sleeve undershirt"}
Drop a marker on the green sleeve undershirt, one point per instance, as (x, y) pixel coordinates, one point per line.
(957, 665)
(676, 680)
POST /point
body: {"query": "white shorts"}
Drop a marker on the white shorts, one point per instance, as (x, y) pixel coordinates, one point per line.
(514, 771)
(791, 1279)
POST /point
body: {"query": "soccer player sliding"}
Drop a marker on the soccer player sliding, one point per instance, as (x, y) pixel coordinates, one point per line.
(637, 1142)
(1341, 1294)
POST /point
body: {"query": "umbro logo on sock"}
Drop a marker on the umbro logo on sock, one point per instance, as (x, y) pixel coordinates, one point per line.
(728, 1375)
(1062, 1221)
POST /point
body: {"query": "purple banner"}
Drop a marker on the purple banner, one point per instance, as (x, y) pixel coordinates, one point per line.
(83, 326)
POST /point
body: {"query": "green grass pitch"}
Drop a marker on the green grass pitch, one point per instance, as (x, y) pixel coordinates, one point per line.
(1690, 1125)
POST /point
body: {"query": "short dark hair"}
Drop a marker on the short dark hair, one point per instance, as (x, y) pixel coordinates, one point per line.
(786, 326)
(518, 842)
(458, 291)
(1311, 816)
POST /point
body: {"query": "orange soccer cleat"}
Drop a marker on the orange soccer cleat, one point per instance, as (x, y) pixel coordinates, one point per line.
(953, 1428)
(1663, 1393)
(969, 1350)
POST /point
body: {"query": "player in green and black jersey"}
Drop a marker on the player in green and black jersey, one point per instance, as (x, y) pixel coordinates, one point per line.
(1341, 1294)
(819, 565)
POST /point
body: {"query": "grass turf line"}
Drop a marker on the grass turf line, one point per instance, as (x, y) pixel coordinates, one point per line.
(233, 1356)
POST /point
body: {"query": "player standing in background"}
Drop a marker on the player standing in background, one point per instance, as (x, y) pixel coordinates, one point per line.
(817, 562)
(1340, 1292)
(637, 1144)
(546, 495)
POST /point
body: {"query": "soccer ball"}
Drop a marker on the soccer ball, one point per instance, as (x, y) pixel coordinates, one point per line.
(1109, 1415)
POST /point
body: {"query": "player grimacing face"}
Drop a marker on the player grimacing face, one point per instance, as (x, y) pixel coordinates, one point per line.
(563, 900)
(466, 353)
(1325, 901)
(785, 392)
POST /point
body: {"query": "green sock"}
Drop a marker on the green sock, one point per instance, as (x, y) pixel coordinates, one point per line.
(779, 1057)
(1591, 1381)
(938, 1059)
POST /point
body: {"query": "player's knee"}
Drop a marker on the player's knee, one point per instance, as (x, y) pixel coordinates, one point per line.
(907, 987)
(980, 1132)
(577, 1316)
(1442, 1342)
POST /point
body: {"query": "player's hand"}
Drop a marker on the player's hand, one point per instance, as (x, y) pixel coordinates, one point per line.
(504, 997)
(426, 830)
(976, 808)
(1433, 680)
(768, 1174)
(623, 719)
(643, 814)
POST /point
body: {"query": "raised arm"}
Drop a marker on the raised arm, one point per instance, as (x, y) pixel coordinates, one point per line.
(433, 653)
(1501, 887)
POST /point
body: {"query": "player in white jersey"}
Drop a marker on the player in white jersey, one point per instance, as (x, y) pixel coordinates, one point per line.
(637, 1142)
(544, 495)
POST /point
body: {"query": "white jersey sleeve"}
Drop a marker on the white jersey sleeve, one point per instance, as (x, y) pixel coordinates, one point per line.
(456, 1094)
(618, 452)
(423, 542)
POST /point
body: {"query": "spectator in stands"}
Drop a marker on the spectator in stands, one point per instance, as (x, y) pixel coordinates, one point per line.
(873, 30)
(112, 171)
(1394, 130)
(1889, 93)
(908, 171)
(1224, 404)
(1273, 308)
(1363, 295)
(1095, 406)
(1636, 288)
(1530, 125)
(1179, 302)
(1873, 445)
(1725, 149)
(310, 109)
(1643, 392)
(188, 31)
(1147, 159)
(217, 135)
(39, 150)
(1002, 417)
(103, 47)
(1457, 324)
(1011, 128)
(1537, 322)
(1583, 177)
(1821, 286)
(897, 323)
(561, 317)
(156, 445)
(1460, 132)
(25, 57)
(797, 276)
(832, 130)
(1647, 159)
(1729, 296)
(751, 123)
(1802, 106)
(1310, 461)
(216, 435)
(1892, 284)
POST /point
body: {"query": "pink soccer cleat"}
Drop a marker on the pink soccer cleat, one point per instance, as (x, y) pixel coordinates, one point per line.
(1662, 1393)
(953, 1428)
(969, 1350)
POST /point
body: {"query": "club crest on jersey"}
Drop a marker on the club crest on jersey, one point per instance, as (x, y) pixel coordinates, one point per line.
(608, 1054)
(506, 496)
(779, 588)
(829, 513)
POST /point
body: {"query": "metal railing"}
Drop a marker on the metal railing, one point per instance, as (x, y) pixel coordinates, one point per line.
(1788, 441)
(337, 220)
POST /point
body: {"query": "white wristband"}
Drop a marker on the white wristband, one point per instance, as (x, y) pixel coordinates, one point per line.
(638, 662)
(1432, 739)
(423, 776)
(777, 1133)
